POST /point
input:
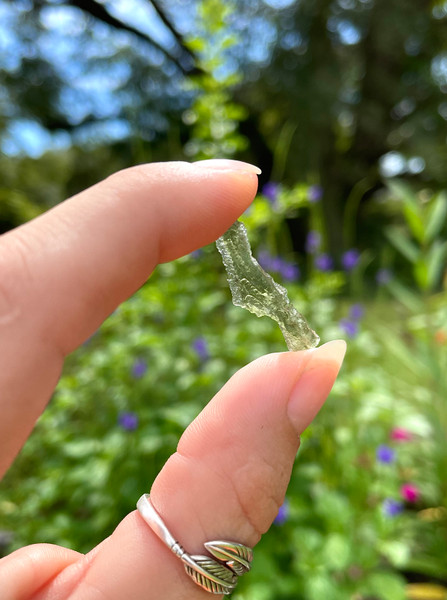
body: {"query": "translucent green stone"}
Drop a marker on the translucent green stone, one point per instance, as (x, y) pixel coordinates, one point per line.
(254, 289)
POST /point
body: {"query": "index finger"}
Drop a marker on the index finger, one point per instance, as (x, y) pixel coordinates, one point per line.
(63, 273)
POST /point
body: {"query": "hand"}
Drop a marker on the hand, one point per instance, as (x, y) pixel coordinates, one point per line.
(62, 275)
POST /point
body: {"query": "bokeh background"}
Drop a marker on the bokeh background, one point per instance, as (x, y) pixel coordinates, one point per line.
(343, 104)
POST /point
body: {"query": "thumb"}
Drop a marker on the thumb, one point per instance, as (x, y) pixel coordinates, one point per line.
(226, 481)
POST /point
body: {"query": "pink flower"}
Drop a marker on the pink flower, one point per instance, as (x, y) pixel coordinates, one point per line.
(410, 492)
(399, 434)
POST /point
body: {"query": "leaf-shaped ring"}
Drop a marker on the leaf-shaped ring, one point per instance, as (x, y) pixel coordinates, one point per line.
(216, 576)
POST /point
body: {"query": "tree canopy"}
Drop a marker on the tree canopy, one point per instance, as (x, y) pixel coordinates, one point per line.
(339, 93)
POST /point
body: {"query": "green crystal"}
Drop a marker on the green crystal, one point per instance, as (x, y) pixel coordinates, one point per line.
(254, 289)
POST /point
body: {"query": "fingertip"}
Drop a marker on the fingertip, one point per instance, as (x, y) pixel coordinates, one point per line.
(227, 164)
(314, 383)
(333, 351)
(192, 204)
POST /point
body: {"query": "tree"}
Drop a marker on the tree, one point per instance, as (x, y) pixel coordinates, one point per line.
(349, 82)
(331, 89)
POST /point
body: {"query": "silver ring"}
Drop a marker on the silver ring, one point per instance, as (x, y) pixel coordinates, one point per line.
(215, 576)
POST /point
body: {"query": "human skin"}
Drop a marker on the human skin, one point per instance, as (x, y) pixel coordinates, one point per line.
(61, 276)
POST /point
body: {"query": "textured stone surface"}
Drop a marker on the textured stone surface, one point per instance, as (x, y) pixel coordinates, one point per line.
(254, 289)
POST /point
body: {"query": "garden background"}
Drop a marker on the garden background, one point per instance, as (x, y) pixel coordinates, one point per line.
(343, 104)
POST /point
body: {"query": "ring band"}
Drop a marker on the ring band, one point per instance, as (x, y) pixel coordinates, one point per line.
(216, 576)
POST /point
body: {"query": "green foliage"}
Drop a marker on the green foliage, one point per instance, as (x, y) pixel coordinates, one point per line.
(129, 392)
(214, 116)
(29, 186)
(84, 467)
(420, 238)
(323, 90)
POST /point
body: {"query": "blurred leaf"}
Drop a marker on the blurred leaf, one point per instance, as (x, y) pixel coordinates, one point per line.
(433, 564)
(337, 551)
(386, 585)
(403, 244)
(16, 208)
(415, 222)
(309, 540)
(196, 44)
(421, 273)
(81, 448)
(411, 207)
(334, 506)
(436, 262)
(398, 348)
(319, 586)
(401, 190)
(396, 552)
(437, 213)
(406, 296)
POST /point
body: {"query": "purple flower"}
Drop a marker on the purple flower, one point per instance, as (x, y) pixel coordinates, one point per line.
(271, 191)
(314, 193)
(289, 271)
(196, 253)
(313, 242)
(350, 259)
(357, 311)
(265, 260)
(200, 347)
(350, 328)
(283, 513)
(128, 421)
(385, 454)
(383, 276)
(324, 262)
(139, 368)
(391, 507)
(276, 264)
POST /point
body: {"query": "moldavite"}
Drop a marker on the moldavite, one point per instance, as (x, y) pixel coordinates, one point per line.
(254, 289)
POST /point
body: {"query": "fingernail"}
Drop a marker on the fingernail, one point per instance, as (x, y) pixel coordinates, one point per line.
(315, 383)
(225, 164)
